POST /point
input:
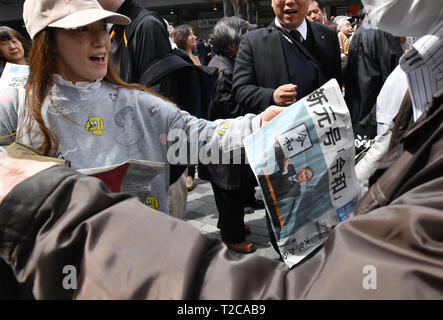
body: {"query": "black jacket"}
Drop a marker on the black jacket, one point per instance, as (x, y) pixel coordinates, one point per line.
(142, 59)
(147, 37)
(261, 66)
(373, 55)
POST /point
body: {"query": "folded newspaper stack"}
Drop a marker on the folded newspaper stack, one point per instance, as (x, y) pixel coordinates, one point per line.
(304, 162)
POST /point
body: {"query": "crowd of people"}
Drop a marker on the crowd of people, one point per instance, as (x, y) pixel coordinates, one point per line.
(145, 78)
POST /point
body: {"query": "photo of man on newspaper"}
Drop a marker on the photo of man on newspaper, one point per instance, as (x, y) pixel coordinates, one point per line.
(282, 189)
(282, 185)
(283, 181)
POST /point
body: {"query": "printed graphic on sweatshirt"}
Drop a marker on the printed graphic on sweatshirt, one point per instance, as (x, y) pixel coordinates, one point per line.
(130, 134)
(152, 110)
(95, 125)
(63, 108)
(114, 94)
(152, 202)
(151, 107)
(221, 129)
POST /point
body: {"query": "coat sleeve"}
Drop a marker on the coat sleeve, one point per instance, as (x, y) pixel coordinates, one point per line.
(251, 96)
(122, 249)
(192, 140)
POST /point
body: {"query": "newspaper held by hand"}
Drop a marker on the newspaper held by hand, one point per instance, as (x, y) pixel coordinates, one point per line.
(14, 75)
(304, 162)
(132, 176)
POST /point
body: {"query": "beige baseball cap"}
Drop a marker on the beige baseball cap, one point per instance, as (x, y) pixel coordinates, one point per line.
(66, 14)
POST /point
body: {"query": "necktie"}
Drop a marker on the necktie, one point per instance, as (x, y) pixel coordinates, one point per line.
(296, 35)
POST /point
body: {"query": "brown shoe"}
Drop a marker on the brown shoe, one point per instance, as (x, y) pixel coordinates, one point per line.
(242, 247)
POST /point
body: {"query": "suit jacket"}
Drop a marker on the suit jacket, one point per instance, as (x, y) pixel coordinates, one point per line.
(260, 66)
(283, 188)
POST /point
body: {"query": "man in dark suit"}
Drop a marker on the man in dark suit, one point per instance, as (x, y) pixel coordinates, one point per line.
(272, 69)
(283, 183)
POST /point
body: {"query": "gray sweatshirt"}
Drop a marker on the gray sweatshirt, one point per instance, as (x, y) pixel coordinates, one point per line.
(103, 124)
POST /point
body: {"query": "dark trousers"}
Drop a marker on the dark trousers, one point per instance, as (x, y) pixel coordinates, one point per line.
(249, 189)
(231, 214)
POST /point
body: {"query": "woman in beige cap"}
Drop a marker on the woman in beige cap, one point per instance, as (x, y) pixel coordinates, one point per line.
(75, 101)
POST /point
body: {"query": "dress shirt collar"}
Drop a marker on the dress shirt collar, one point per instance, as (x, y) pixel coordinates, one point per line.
(302, 28)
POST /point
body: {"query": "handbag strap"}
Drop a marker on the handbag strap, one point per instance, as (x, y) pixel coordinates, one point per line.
(162, 66)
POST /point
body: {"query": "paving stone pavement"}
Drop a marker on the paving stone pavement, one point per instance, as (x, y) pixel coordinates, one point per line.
(201, 212)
